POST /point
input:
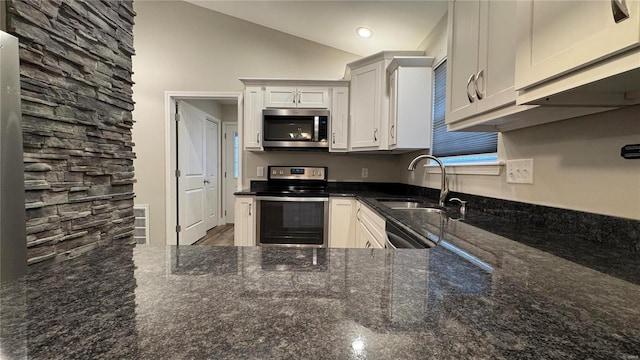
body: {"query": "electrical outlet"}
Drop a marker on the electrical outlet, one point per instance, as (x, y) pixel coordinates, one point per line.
(520, 171)
(365, 172)
(260, 171)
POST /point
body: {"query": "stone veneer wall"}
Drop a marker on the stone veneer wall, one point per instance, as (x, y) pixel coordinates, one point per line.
(75, 71)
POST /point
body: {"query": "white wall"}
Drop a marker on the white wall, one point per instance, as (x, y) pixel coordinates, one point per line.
(577, 163)
(183, 47)
(210, 107)
(342, 167)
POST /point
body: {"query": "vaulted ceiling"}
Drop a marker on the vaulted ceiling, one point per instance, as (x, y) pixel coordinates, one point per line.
(396, 25)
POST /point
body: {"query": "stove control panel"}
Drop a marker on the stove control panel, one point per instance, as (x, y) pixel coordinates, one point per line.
(297, 173)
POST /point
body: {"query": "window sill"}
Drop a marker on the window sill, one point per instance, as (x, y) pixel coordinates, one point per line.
(487, 169)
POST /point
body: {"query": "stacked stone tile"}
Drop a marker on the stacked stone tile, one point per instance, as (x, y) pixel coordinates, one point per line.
(75, 71)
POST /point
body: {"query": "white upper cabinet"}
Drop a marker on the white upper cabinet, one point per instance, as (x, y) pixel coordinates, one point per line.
(480, 60)
(578, 53)
(410, 102)
(297, 97)
(369, 99)
(339, 119)
(462, 59)
(365, 99)
(252, 126)
(481, 70)
(260, 94)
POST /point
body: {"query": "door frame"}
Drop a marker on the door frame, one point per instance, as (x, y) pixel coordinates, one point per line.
(171, 204)
(226, 165)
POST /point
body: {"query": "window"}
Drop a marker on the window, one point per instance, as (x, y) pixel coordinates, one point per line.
(236, 154)
(457, 147)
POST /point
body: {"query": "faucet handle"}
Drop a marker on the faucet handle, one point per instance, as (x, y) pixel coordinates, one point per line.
(463, 204)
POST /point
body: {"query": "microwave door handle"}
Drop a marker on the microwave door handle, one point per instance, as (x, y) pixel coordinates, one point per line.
(316, 128)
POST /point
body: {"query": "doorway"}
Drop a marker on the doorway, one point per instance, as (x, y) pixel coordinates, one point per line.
(199, 196)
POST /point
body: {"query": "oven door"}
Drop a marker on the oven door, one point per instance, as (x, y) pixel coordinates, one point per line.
(292, 221)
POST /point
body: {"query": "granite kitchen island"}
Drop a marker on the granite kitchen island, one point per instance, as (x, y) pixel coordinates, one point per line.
(484, 297)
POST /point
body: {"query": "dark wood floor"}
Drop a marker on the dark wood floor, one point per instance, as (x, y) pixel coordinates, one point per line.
(221, 235)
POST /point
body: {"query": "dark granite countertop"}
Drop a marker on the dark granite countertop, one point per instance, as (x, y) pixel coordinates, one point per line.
(498, 290)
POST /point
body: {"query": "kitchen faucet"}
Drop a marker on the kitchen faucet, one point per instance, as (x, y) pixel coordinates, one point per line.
(443, 185)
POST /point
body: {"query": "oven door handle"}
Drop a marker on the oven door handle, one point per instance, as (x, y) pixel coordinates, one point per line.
(287, 198)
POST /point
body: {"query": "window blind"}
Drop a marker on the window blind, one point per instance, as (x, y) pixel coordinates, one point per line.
(454, 143)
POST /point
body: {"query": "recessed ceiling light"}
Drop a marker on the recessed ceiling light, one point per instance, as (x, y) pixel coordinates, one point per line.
(364, 32)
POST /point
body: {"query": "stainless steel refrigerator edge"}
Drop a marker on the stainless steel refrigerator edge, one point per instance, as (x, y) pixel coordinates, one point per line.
(13, 248)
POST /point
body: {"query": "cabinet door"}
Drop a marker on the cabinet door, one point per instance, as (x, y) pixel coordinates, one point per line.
(411, 109)
(393, 109)
(244, 230)
(253, 101)
(313, 97)
(496, 67)
(339, 119)
(364, 100)
(366, 239)
(556, 37)
(462, 59)
(342, 223)
(280, 96)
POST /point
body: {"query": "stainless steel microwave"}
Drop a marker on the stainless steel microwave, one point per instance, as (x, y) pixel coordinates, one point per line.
(295, 128)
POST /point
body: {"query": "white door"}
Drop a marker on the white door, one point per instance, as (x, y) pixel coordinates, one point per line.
(191, 163)
(231, 153)
(211, 180)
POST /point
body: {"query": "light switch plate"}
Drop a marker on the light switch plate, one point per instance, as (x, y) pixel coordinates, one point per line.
(365, 172)
(520, 171)
(260, 171)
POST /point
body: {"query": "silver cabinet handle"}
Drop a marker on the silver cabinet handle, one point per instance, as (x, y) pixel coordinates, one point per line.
(258, 137)
(470, 95)
(293, 93)
(206, 181)
(392, 131)
(620, 10)
(333, 136)
(375, 134)
(250, 209)
(368, 244)
(479, 75)
(299, 96)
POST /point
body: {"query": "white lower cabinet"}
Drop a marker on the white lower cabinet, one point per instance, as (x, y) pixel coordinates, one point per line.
(370, 229)
(244, 230)
(353, 225)
(342, 222)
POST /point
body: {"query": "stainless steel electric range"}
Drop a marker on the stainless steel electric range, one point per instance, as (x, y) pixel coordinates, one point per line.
(293, 209)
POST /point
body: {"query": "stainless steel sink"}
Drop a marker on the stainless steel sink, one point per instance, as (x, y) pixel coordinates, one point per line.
(403, 204)
(409, 204)
(426, 209)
